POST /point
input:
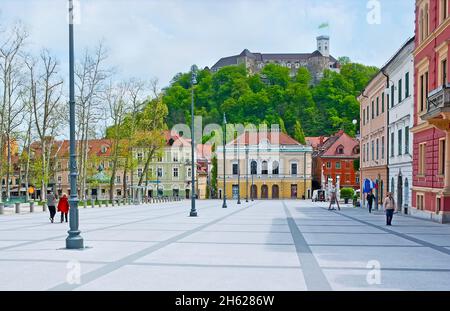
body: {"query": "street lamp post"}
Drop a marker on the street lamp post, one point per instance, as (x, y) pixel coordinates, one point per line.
(193, 164)
(251, 191)
(224, 205)
(74, 240)
(239, 173)
(246, 174)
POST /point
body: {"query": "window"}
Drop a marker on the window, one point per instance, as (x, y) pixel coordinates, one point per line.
(407, 85)
(139, 172)
(139, 157)
(265, 168)
(373, 109)
(340, 150)
(328, 164)
(175, 157)
(392, 96)
(175, 172)
(382, 147)
(254, 168)
(357, 179)
(444, 72)
(59, 179)
(235, 169)
(382, 103)
(189, 172)
(407, 140)
(378, 106)
(118, 179)
(338, 165)
(275, 168)
(378, 148)
(420, 202)
(59, 165)
(160, 172)
(444, 10)
(364, 116)
(400, 90)
(442, 146)
(392, 144)
(367, 113)
(400, 142)
(423, 91)
(373, 150)
(293, 169)
(422, 148)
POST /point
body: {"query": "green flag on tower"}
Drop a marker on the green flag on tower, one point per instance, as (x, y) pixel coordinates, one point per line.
(324, 25)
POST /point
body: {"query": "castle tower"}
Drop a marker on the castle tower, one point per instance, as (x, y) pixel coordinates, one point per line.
(323, 45)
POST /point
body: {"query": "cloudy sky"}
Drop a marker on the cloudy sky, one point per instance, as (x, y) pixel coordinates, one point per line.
(158, 38)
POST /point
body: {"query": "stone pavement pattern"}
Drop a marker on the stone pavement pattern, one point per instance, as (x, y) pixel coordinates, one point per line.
(264, 245)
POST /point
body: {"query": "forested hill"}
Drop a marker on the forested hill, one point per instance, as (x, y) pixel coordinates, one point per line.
(272, 97)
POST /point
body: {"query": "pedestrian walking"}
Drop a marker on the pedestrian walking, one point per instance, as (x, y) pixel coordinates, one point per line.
(333, 200)
(63, 207)
(51, 203)
(370, 199)
(389, 207)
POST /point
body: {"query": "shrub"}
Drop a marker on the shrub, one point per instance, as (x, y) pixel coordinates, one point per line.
(347, 193)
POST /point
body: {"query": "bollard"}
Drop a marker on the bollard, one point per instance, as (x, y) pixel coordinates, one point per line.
(106, 203)
(31, 206)
(85, 204)
(92, 203)
(17, 208)
(44, 206)
(2, 208)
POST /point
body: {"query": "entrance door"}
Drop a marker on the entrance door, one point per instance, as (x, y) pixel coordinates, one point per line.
(293, 191)
(235, 192)
(175, 192)
(275, 192)
(187, 194)
(400, 193)
(254, 192)
(264, 192)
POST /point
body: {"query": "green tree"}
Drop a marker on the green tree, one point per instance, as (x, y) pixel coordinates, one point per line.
(298, 133)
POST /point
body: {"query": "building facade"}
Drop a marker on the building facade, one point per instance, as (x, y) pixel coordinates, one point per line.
(374, 143)
(315, 62)
(265, 165)
(400, 74)
(431, 159)
(334, 158)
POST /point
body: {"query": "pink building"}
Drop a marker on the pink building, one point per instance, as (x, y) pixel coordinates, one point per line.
(431, 159)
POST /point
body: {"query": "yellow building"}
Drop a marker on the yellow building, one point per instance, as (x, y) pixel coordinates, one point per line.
(265, 165)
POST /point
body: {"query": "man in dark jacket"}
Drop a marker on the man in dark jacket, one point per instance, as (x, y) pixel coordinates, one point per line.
(370, 199)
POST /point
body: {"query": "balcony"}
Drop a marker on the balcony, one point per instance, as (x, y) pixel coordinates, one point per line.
(438, 103)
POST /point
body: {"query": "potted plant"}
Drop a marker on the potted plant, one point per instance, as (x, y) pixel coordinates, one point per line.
(347, 194)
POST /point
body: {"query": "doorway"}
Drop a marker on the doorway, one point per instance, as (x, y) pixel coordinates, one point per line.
(275, 192)
(264, 192)
(400, 192)
(294, 191)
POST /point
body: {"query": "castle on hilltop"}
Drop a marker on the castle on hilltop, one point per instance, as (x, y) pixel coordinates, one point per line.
(316, 62)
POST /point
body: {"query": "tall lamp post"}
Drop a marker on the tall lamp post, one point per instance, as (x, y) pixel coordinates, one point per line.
(74, 240)
(251, 190)
(224, 205)
(246, 174)
(193, 164)
(239, 173)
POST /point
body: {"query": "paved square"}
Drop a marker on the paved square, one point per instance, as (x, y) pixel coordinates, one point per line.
(261, 245)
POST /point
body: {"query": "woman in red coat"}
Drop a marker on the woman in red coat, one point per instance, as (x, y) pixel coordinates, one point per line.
(63, 207)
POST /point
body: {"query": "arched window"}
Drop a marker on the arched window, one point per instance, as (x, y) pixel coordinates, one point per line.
(254, 168)
(265, 168)
(275, 168)
(392, 185)
(340, 150)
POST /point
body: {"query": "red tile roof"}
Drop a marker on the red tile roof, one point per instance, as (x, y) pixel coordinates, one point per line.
(274, 138)
(316, 141)
(340, 139)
